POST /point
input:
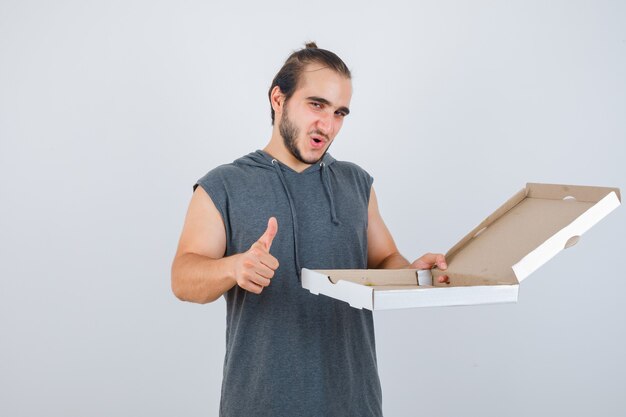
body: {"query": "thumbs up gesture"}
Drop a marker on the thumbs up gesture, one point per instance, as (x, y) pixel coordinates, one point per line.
(255, 268)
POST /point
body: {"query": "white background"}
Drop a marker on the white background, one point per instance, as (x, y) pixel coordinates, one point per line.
(110, 111)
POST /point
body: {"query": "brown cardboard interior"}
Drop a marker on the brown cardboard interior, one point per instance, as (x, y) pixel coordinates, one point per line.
(487, 254)
(394, 279)
(374, 277)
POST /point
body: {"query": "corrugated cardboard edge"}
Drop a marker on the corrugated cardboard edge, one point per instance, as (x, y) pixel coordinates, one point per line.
(358, 296)
(445, 296)
(547, 250)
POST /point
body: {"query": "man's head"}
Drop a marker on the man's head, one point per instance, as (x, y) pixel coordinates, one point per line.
(288, 77)
(309, 97)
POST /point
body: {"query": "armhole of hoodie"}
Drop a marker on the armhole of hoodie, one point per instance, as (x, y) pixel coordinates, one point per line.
(370, 183)
(215, 189)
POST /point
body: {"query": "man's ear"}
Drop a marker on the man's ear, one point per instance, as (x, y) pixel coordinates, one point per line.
(277, 99)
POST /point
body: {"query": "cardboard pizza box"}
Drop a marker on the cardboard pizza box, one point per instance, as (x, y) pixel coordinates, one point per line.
(489, 263)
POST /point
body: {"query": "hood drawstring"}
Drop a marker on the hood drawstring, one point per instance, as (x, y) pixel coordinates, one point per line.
(325, 177)
(329, 191)
(294, 220)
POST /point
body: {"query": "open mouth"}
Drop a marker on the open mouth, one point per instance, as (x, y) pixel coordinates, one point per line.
(317, 143)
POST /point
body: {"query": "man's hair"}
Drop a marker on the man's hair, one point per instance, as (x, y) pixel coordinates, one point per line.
(288, 77)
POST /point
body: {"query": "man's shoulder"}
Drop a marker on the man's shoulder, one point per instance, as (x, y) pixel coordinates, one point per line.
(218, 175)
(250, 166)
(351, 168)
(239, 166)
(348, 165)
(223, 170)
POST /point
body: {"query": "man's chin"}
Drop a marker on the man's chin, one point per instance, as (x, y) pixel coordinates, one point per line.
(314, 159)
(310, 156)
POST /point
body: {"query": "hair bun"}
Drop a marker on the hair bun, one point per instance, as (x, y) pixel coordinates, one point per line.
(311, 45)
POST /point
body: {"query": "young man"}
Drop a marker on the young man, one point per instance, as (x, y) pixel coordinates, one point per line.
(253, 224)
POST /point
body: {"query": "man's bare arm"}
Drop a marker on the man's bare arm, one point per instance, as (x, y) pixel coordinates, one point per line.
(201, 273)
(382, 252)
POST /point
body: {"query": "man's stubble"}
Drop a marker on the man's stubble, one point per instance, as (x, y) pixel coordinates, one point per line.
(290, 132)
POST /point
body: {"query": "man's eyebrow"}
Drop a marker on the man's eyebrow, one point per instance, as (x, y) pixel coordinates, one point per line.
(322, 100)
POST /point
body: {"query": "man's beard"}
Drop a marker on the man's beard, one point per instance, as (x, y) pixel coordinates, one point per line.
(290, 133)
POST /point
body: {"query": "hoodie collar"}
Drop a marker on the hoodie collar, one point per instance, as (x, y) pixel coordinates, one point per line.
(265, 158)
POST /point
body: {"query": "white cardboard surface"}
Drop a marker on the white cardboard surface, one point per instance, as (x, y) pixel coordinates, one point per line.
(535, 259)
(389, 289)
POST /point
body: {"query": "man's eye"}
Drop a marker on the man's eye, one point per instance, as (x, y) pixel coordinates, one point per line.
(316, 105)
(340, 113)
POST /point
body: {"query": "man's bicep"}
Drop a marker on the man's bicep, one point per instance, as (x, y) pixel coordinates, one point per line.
(203, 231)
(380, 244)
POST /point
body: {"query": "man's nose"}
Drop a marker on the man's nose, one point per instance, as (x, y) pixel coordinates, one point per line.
(325, 123)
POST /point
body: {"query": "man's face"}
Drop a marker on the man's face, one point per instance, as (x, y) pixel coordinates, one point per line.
(314, 114)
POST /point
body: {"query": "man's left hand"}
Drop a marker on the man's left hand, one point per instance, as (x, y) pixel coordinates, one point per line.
(430, 260)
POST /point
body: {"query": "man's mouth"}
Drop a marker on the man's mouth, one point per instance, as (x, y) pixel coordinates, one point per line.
(317, 142)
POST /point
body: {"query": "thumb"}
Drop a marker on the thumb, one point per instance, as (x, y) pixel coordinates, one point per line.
(270, 232)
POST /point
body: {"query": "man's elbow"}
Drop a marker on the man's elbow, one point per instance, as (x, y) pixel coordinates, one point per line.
(184, 294)
(183, 291)
(179, 290)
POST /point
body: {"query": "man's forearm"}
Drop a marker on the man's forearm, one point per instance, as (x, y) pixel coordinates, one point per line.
(393, 261)
(201, 279)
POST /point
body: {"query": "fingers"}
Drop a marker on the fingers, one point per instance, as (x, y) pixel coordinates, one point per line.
(270, 233)
(264, 271)
(252, 287)
(260, 280)
(263, 257)
(430, 260)
(436, 259)
(269, 261)
(441, 261)
(255, 279)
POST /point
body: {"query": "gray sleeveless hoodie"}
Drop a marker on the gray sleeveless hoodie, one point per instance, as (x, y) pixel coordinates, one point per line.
(290, 353)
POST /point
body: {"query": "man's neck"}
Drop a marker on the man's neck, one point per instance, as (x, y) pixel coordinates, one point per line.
(276, 148)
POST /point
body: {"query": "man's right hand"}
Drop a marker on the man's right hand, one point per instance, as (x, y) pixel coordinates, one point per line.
(255, 268)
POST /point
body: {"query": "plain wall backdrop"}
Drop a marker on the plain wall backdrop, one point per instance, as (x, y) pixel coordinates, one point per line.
(110, 111)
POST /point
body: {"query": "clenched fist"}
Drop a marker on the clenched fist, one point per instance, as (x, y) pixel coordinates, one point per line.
(255, 268)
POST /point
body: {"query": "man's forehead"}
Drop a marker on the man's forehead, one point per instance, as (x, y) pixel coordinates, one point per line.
(315, 67)
(319, 80)
(318, 72)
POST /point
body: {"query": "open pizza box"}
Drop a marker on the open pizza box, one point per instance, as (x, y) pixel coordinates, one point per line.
(488, 264)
